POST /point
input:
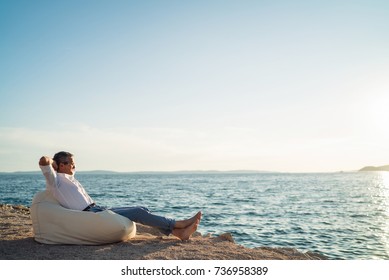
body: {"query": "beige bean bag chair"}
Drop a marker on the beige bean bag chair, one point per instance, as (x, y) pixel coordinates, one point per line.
(54, 224)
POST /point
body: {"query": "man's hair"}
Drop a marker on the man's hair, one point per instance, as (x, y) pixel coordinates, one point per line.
(62, 157)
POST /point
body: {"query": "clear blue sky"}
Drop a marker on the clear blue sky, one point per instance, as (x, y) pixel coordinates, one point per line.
(195, 85)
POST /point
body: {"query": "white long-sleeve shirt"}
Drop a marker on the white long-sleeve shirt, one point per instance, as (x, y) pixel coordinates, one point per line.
(66, 189)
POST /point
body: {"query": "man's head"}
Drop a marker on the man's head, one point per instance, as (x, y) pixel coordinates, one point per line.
(65, 163)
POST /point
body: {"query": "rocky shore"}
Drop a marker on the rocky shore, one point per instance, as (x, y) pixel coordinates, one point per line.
(17, 243)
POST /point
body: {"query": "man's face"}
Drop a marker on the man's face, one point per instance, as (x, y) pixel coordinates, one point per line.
(68, 167)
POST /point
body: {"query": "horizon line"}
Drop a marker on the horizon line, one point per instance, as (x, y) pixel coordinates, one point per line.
(187, 171)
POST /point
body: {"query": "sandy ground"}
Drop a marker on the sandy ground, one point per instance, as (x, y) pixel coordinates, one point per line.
(17, 243)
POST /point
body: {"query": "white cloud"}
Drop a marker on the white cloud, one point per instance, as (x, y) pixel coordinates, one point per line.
(167, 149)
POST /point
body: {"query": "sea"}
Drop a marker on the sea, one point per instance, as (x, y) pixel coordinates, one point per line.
(343, 215)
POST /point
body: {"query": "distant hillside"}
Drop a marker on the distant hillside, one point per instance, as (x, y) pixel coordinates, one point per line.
(375, 168)
(97, 172)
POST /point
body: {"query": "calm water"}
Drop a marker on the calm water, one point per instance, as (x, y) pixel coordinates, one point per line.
(342, 215)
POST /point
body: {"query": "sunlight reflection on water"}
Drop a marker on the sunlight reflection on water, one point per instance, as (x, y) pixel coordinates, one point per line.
(384, 190)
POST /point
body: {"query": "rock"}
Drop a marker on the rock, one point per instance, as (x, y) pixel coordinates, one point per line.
(197, 234)
(226, 237)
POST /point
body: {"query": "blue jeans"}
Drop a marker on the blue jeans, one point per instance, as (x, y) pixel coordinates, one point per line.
(141, 215)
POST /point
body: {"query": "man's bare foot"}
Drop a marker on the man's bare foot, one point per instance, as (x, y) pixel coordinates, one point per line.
(188, 222)
(185, 233)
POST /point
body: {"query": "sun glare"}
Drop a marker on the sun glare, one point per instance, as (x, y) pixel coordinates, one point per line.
(379, 115)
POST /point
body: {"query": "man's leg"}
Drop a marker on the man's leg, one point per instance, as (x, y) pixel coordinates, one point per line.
(143, 216)
(182, 229)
